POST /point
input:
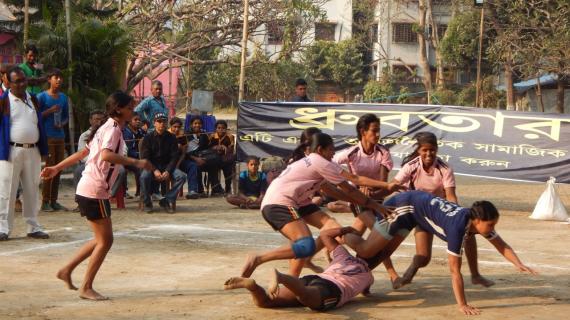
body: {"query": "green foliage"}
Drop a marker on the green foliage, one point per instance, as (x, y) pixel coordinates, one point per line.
(460, 45)
(379, 91)
(265, 79)
(444, 97)
(403, 95)
(100, 50)
(338, 62)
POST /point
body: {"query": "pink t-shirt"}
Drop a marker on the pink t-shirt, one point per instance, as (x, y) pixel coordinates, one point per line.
(350, 274)
(415, 177)
(300, 180)
(95, 181)
(362, 164)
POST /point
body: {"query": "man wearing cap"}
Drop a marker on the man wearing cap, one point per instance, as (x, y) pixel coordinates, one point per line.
(150, 106)
(160, 147)
(22, 142)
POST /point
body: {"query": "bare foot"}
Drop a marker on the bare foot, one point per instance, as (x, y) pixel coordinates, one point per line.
(238, 283)
(91, 294)
(65, 276)
(400, 282)
(251, 263)
(316, 269)
(482, 281)
(273, 289)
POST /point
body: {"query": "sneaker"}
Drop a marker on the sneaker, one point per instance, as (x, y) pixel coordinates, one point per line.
(147, 208)
(3, 236)
(46, 207)
(18, 205)
(156, 197)
(203, 194)
(38, 235)
(165, 204)
(192, 195)
(58, 207)
(128, 196)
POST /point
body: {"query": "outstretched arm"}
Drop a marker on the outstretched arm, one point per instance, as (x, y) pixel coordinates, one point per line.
(509, 254)
(50, 172)
(367, 182)
(328, 236)
(355, 196)
(457, 283)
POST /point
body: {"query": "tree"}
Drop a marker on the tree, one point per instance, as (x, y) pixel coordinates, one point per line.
(422, 55)
(200, 25)
(339, 62)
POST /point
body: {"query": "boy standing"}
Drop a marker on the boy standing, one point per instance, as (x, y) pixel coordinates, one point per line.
(55, 115)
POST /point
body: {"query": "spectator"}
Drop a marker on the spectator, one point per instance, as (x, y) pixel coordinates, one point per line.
(301, 91)
(145, 125)
(198, 142)
(96, 119)
(152, 105)
(55, 115)
(20, 155)
(161, 149)
(133, 134)
(252, 186)
(32, 70)
(223, 144)
(3, 73)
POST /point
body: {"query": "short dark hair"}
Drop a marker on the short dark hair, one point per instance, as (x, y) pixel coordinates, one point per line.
(222, 122)
(175, 120)
(32, 48)
(364, 123)
(14, 69)
(250, 158)
(95, 112)
(300, 82)
(54, 72)
(156, 83)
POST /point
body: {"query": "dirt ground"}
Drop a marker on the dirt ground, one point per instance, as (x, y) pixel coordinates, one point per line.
(166, 266)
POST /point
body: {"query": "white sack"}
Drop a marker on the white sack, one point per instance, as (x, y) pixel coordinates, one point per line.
(549, 205)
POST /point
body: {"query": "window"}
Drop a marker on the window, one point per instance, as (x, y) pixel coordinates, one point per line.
(275, 33)
(373, 32)
(325, 31)
(441, 28)
(404, 33)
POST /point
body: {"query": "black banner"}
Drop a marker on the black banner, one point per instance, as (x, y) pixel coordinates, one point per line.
(502, 144)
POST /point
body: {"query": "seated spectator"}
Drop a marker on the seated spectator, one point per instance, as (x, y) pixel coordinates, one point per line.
(206, 159)
(132, 134)
(223, 144)
(145, 126)
(185, 164)
(252, 186)
(161, 149)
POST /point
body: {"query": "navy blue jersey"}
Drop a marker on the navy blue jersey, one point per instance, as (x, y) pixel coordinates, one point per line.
(445, 219)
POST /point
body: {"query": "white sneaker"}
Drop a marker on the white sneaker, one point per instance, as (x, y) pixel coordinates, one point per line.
(156, 197)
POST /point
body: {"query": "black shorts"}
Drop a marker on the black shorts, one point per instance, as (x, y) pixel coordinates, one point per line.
(278, 216)
(93, 209)
(330, 292)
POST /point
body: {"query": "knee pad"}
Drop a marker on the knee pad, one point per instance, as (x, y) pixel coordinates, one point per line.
(304, 247)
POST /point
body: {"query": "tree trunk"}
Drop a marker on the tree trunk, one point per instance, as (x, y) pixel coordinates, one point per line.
(424, 64)
(435, 36)
(560, 84)
(509, 85)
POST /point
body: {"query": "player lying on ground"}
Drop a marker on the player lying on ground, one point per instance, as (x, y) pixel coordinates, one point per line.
(287, 205)
(344, 278)
(446, 220)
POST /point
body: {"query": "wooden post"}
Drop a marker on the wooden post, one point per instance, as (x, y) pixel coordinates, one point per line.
(243, 50)
(26, 21)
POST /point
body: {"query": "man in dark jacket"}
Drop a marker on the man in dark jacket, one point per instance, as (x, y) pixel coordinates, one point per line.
(160, 147)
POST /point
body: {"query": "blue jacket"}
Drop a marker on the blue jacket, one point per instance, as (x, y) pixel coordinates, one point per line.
(5, 127)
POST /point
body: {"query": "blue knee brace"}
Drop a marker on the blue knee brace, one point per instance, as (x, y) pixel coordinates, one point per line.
(304, 247)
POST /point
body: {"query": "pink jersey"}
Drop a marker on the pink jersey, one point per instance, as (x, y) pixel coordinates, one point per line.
(362, 164)
(415, 177)
(301, 180)
(350, 274)
(99, 175)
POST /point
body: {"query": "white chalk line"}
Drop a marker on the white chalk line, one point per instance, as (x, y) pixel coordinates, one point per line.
(233, 243)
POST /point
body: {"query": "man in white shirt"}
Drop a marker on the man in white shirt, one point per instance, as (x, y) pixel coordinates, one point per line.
(22, 143)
